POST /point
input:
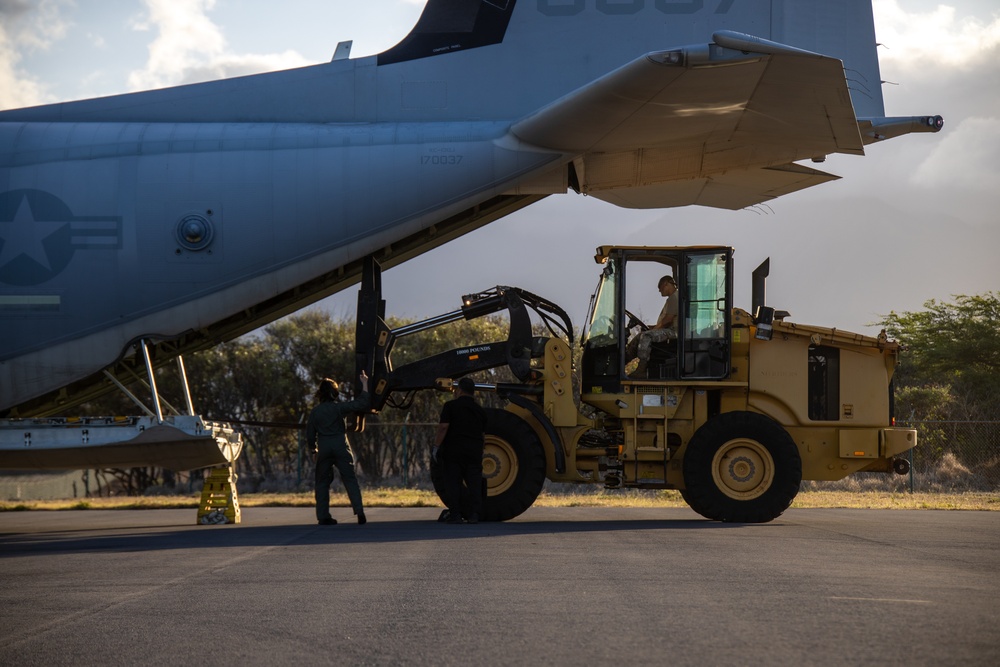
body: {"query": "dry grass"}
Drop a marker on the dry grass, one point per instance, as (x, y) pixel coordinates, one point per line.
(401, 497)
(882, 500)
(805, 499)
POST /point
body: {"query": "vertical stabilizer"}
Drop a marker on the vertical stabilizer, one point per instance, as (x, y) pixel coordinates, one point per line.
(844, 29)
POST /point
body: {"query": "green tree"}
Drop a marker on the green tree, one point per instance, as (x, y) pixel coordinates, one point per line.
(316, 347)
(953, 346)
(249, 380)
(949, 375)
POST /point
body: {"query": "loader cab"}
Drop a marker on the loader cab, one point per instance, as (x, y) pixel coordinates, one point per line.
(627, 293)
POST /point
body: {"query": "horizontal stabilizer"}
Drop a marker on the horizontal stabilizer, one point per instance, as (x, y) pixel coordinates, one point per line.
(734, 190)
(760, 108)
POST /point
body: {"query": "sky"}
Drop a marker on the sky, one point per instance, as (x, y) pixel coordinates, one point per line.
(915, 219)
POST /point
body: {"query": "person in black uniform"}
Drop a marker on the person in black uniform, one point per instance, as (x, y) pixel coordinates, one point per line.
(326, 438)
(458, 449)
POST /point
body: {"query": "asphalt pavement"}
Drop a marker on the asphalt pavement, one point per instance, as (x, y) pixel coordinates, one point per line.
(567, 586)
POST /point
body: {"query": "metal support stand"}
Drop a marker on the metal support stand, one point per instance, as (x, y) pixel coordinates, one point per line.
(219, 501)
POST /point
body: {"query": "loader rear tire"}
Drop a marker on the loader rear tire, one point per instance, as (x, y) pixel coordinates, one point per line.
(513, 467)
(741, 467)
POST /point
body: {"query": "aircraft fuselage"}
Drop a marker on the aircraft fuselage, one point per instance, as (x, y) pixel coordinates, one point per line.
(189, 215)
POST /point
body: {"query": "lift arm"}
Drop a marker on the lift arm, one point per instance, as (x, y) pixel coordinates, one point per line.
(375, 340)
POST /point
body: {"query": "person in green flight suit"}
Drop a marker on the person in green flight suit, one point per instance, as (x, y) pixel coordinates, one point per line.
(326, 438)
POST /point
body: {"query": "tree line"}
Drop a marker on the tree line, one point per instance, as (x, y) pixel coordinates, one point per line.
(949, 375)
(265, 381)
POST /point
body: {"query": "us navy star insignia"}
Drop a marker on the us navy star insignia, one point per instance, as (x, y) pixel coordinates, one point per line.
(25, 235)
(39, 235)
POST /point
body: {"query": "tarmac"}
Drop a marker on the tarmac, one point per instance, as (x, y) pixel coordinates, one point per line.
(556, 586)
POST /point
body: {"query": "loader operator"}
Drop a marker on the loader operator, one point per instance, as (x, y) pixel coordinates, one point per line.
(665, 328)
(459, 443)
(326, 438)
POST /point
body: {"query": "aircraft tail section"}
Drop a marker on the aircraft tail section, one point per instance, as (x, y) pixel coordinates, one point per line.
(498, 60)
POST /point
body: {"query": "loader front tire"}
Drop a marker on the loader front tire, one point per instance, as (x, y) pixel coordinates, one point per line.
(741, 467)
(513, 467)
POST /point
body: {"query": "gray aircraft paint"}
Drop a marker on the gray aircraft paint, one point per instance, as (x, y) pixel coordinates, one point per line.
(283, 178)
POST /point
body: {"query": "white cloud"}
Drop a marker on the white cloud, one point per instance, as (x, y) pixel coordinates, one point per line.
(914, 39)
(945, 58)
(191, 48)
(16, 88)
(97, 41)
(965, 159)
(26, 27)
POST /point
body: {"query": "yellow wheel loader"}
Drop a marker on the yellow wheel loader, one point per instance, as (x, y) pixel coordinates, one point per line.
(734, 410)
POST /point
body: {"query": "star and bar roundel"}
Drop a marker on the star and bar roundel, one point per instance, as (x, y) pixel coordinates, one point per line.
(39, 236)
